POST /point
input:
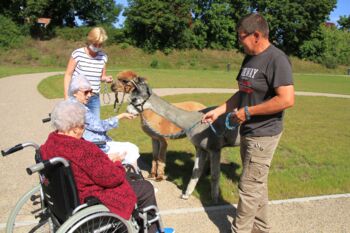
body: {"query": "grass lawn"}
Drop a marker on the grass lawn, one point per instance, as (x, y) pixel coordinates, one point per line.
(52, 87)
(312, 157)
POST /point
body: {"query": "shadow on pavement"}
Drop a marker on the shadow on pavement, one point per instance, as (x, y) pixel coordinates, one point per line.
(179, 167)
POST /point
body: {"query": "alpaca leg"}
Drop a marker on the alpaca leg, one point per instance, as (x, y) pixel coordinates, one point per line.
(215, 175)
(201, 157)
(163, 145)
(155, 152)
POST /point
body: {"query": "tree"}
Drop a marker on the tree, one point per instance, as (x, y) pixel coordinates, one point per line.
(98, 11)
(215, 20)
(329, 46)
(344, 22)
(159, 24)
(293, 21)
(61, 12)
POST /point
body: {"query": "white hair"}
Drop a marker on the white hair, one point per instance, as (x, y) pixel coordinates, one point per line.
(78, 83)
(67, 115)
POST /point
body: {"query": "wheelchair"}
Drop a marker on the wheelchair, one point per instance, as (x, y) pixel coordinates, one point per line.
(53, 205)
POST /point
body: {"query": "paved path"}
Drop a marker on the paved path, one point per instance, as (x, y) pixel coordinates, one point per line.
(21, 111)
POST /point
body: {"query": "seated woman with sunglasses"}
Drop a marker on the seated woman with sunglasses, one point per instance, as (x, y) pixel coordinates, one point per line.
(96, 129)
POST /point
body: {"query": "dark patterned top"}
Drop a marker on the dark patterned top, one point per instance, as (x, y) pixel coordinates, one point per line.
(95, 174)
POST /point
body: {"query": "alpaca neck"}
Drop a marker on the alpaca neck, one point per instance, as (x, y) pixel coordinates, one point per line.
(182, 118)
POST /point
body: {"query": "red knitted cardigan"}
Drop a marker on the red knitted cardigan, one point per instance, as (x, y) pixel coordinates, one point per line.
(95, 174)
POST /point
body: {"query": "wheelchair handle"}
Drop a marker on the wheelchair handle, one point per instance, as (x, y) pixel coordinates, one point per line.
(46, 119)
(11, 150)
(35, 168)
(18, 147)
(99, 143)
(46, 164)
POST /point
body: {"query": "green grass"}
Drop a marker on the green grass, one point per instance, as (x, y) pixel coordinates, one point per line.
(325, 83)
(52, 87)
(311, 159)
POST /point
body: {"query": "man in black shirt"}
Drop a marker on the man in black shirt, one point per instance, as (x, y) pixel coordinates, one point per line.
(265, 89)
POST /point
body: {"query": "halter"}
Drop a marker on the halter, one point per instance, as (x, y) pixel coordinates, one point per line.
(117, 104)
(140, 106)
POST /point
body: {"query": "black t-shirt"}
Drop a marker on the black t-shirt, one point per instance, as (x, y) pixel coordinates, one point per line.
(257, 80)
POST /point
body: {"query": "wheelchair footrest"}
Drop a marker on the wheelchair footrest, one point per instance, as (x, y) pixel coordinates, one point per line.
(167, 230)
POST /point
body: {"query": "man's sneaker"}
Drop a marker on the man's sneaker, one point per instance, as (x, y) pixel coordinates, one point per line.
(167, 230)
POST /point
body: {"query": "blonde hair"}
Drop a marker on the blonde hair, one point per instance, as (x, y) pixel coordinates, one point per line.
(97, 35)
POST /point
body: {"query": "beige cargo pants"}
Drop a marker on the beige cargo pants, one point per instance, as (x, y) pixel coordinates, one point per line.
(256, 155)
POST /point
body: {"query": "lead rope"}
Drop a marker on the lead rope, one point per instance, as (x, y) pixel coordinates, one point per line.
(106, 93)
(227, 125)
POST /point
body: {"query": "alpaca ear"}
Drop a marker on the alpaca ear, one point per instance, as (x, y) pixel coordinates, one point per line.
(140, 80)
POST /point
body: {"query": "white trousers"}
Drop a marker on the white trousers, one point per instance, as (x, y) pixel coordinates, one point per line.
(132, 151)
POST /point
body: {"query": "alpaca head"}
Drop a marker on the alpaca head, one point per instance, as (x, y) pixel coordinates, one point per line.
(138, 96)
(123, 82)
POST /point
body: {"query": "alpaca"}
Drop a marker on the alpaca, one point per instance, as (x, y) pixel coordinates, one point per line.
(154, 125)
(207, 142)
(160, 130)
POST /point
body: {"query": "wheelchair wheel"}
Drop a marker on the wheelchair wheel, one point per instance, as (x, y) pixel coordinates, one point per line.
(103, 222)
(29, 215)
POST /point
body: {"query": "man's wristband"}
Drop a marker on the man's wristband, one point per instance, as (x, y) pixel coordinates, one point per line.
(247, 114)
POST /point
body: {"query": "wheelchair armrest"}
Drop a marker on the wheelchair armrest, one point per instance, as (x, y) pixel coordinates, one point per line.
(91, 200)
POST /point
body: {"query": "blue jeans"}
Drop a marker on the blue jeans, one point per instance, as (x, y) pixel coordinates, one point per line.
(94, 105)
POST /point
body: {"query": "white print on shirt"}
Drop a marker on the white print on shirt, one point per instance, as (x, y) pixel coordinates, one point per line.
(249, 72)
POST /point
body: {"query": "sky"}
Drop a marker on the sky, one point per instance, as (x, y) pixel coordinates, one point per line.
(342, 8)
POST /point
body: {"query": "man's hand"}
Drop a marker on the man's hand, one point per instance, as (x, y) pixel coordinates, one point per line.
(210, 117)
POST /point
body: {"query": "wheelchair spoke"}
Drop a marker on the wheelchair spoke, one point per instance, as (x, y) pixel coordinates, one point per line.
(28, 215)
(102, 223)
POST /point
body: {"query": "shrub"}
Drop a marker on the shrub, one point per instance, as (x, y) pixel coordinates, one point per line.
(10, 35)
(329, 61)
(154, 63)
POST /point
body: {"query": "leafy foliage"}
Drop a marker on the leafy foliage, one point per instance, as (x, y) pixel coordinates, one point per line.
(292, 22)
(159, 24)
(328, 46)
(215, 22)
(11, 35)
(344, 22)
(97, 12)
(62, 12)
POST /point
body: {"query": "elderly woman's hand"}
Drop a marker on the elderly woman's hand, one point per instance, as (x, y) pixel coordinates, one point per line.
(117, 156)
(125, 115)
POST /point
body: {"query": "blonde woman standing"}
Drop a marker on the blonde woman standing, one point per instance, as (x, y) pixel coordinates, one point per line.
(89, 61)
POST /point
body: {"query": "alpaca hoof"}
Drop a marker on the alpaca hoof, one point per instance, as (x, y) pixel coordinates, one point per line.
(151, 176)
(160, 178)
(185, 196)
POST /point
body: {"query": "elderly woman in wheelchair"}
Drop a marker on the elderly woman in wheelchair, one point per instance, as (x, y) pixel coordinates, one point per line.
(97, 175)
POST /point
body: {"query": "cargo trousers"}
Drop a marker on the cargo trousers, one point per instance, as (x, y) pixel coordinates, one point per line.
(256, 155)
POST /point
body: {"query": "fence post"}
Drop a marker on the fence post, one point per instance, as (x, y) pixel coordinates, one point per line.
(228, 67)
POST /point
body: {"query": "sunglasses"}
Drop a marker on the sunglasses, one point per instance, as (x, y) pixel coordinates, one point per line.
(242, 37)
(87, 92)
